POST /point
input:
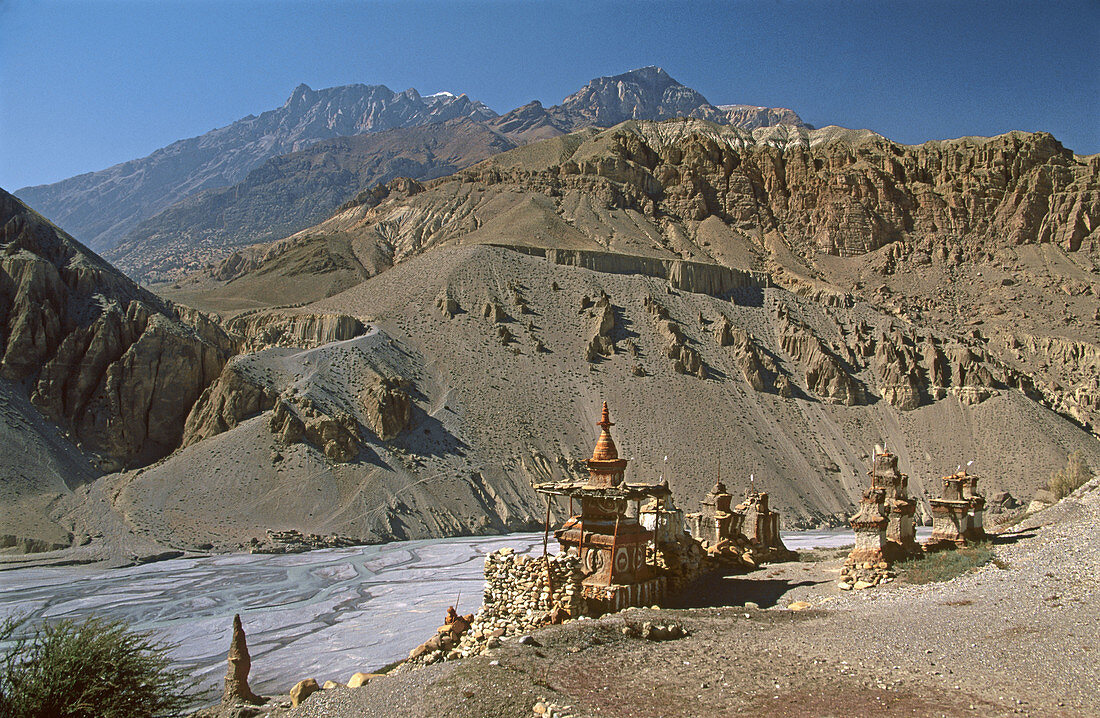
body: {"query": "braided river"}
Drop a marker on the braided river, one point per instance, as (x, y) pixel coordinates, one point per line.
(324, 614)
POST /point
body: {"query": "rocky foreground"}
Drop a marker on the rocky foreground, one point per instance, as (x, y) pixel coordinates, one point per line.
(1014, 637)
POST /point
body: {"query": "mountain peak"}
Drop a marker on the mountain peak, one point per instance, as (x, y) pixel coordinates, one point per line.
(646, 93)
(300, 92)
(650, 76)
(648, 72)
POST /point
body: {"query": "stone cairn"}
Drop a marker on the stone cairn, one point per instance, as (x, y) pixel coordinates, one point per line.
(957, 516)
(885, 527)
(238, 700)
(240, 663)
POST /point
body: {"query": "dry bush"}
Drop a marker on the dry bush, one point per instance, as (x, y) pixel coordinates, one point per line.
(946, 565)
(1067, 480)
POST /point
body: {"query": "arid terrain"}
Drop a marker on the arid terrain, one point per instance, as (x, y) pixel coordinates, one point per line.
(459, 359)
(776, 300)
(1013, 637)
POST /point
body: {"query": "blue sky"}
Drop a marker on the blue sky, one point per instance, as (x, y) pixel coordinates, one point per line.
(86, 84)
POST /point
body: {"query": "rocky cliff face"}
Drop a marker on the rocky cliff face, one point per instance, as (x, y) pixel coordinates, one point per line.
(838, 191)
(259, 330)
(725, 196)
(485, 364)
(751, 117)
(114, 365)
(819, 212)
(102, 207)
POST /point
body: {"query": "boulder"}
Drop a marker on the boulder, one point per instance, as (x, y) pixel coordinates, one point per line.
(388, 407)
(601, 327)
(296, 419)
(232, 398)
(448, 306)
(302, 689)
(362, 679)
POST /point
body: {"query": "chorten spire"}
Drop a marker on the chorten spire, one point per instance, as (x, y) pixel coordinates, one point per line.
(605, 446)
(605, 468)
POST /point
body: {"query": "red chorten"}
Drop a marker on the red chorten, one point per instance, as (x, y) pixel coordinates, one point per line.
(610, 543)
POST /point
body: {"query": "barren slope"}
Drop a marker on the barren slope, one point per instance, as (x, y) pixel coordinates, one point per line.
(503, 400)
(99, 208)
(293, 191)
(781, 300)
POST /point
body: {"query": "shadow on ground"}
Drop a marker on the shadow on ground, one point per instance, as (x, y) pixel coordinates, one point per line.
(1013, 537)
(734, 590)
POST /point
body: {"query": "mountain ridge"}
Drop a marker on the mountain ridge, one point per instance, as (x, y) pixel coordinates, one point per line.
(224, 155)
(106, 208)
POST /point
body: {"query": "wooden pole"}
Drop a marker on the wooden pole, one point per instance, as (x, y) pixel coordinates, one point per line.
(614, 541)
(546, 555)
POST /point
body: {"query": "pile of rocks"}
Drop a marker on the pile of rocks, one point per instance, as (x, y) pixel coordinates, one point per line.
(651, 631)
(543, 709)
(866, 574)
(1001, 502)
(444, 645)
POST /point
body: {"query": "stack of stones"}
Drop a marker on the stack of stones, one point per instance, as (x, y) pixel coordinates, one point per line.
(518, 598)
(864, 574)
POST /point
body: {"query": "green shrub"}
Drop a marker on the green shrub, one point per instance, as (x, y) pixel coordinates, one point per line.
(1065, 481)
(945, 565)
(95, 669)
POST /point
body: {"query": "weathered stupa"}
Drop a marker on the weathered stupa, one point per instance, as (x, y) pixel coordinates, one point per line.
(747, 533)
(885, 526)
(711, 525)
(957, 516)
(901, 528)
(610, 543)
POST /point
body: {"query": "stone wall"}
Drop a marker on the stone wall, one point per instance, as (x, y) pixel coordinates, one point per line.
(517, 597)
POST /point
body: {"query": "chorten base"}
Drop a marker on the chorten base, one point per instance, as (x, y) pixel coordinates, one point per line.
(617, 596)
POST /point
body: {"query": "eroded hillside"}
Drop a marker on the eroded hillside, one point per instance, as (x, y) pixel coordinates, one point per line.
(780, 300)
(113, 367)
(483, 368)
